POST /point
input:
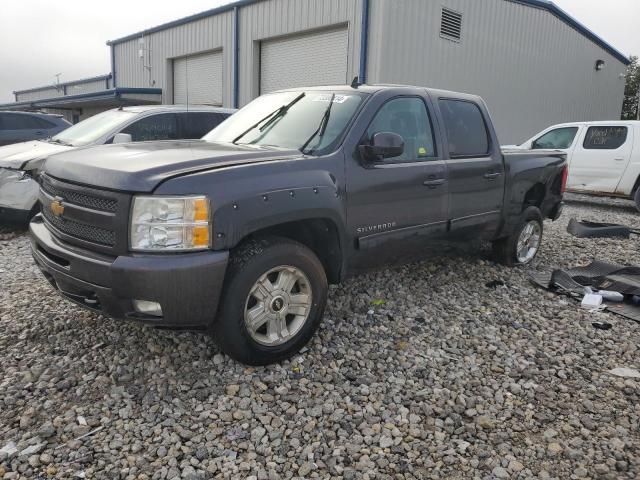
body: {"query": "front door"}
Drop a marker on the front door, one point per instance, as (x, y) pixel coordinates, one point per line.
(476, 170)
(394, 203)
(600, 159)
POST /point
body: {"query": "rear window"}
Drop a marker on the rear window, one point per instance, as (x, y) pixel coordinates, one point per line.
(17, 121)
(466, 130)
(605, 138)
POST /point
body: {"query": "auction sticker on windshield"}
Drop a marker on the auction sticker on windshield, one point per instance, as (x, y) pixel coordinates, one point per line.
(326, 98)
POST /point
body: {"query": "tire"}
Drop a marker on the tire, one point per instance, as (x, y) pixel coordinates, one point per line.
(505, 250)
(637, 198)
(293, 290)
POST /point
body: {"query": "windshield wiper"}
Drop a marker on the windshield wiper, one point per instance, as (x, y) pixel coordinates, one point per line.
(272, 117)
(322, 127)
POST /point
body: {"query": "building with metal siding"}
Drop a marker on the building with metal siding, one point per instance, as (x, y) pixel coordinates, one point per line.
(80, 99)
(530, 66)
(533, 63)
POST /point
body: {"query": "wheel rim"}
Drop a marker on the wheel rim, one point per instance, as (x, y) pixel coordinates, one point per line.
(278, 305)
(528, 242)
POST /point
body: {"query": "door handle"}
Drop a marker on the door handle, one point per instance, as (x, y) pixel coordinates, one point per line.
(619, 159)
(492, 175)
(434, 183)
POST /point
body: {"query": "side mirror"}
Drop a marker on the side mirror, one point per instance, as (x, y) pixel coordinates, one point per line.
(383, 145)
(122, 138)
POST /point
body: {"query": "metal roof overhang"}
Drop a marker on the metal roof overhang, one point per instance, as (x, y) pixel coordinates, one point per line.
(105, 98)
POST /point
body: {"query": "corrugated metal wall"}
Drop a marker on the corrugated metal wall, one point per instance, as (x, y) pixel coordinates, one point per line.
(87, 87)
(531, 68)
(76, 88)
(159, 49)
(39, 94)
(275, 18)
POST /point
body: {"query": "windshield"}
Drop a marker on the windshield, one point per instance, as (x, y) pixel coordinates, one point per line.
(88, 131)
(290, 120)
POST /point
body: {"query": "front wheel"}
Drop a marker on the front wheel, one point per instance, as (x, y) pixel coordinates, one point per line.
(272, 303)
(637, 198)
(521, 247)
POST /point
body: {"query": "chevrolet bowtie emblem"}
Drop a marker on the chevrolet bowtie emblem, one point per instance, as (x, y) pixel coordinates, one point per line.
(57, 208)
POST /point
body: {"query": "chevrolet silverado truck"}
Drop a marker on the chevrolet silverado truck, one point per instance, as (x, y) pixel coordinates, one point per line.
(240, 233)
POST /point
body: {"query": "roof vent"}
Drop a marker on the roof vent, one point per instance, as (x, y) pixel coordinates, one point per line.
(451, 25)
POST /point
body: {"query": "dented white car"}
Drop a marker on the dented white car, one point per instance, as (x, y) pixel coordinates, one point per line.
(603, 157)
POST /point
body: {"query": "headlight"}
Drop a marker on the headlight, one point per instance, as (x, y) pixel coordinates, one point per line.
(169, 223)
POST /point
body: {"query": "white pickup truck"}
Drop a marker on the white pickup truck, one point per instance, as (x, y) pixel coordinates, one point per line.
(603, 157)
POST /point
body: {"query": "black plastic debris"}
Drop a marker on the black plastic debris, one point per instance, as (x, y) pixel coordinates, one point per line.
(587, 229)
(602, 325)
(598, 276)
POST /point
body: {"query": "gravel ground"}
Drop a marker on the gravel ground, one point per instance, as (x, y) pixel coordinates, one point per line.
(448, 378)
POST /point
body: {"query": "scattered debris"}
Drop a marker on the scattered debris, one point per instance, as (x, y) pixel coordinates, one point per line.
(379, 302)
(495, 284)
(88, 434)
(602, 325)
(625, 372)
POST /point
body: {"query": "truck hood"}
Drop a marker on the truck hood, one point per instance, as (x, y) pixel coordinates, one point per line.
(18, 154)
(140, 167)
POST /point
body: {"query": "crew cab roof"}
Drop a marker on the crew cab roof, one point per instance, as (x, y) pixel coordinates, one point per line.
(374, 88)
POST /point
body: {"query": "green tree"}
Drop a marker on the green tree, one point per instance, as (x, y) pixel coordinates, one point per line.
(631, 103)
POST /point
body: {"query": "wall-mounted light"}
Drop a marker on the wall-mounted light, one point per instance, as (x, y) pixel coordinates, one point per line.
(599, 65)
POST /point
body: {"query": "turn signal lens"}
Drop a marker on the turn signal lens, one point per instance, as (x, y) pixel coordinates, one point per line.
(201, 210)
(200, 236)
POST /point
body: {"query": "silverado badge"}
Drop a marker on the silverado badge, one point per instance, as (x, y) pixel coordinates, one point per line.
(57, 208)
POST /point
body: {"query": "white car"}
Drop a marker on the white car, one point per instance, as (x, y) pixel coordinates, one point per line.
(19, 191)
(603, 157)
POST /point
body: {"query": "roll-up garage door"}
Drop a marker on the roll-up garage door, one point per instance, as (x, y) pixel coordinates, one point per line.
(304, 60)
(197, 79)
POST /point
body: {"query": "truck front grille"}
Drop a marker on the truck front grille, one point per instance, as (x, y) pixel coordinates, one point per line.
(104, 204)
(88, 217)
(89, 233)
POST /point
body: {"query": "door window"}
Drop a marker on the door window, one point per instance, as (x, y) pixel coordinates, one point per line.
(605, 138)
(466, 130)
(408, 118)
(198, 124)
(559, 139)
(155, 127)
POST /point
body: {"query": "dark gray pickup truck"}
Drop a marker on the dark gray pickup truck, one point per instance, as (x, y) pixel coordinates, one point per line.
(240, 233)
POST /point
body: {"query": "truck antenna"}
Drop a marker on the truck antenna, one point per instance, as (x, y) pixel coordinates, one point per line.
(355, 83)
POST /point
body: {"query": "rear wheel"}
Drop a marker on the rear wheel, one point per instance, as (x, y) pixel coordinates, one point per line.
(521, 247)
(637, 198)
(274, 296)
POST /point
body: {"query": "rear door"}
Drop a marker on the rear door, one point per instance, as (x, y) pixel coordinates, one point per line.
(600, 158)
(394, 203)
(475, 166)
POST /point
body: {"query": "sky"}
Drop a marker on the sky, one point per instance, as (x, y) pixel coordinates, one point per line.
(41, 38)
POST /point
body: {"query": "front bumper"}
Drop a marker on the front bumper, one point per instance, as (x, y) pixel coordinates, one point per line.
(187, 286)
(18, 191)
